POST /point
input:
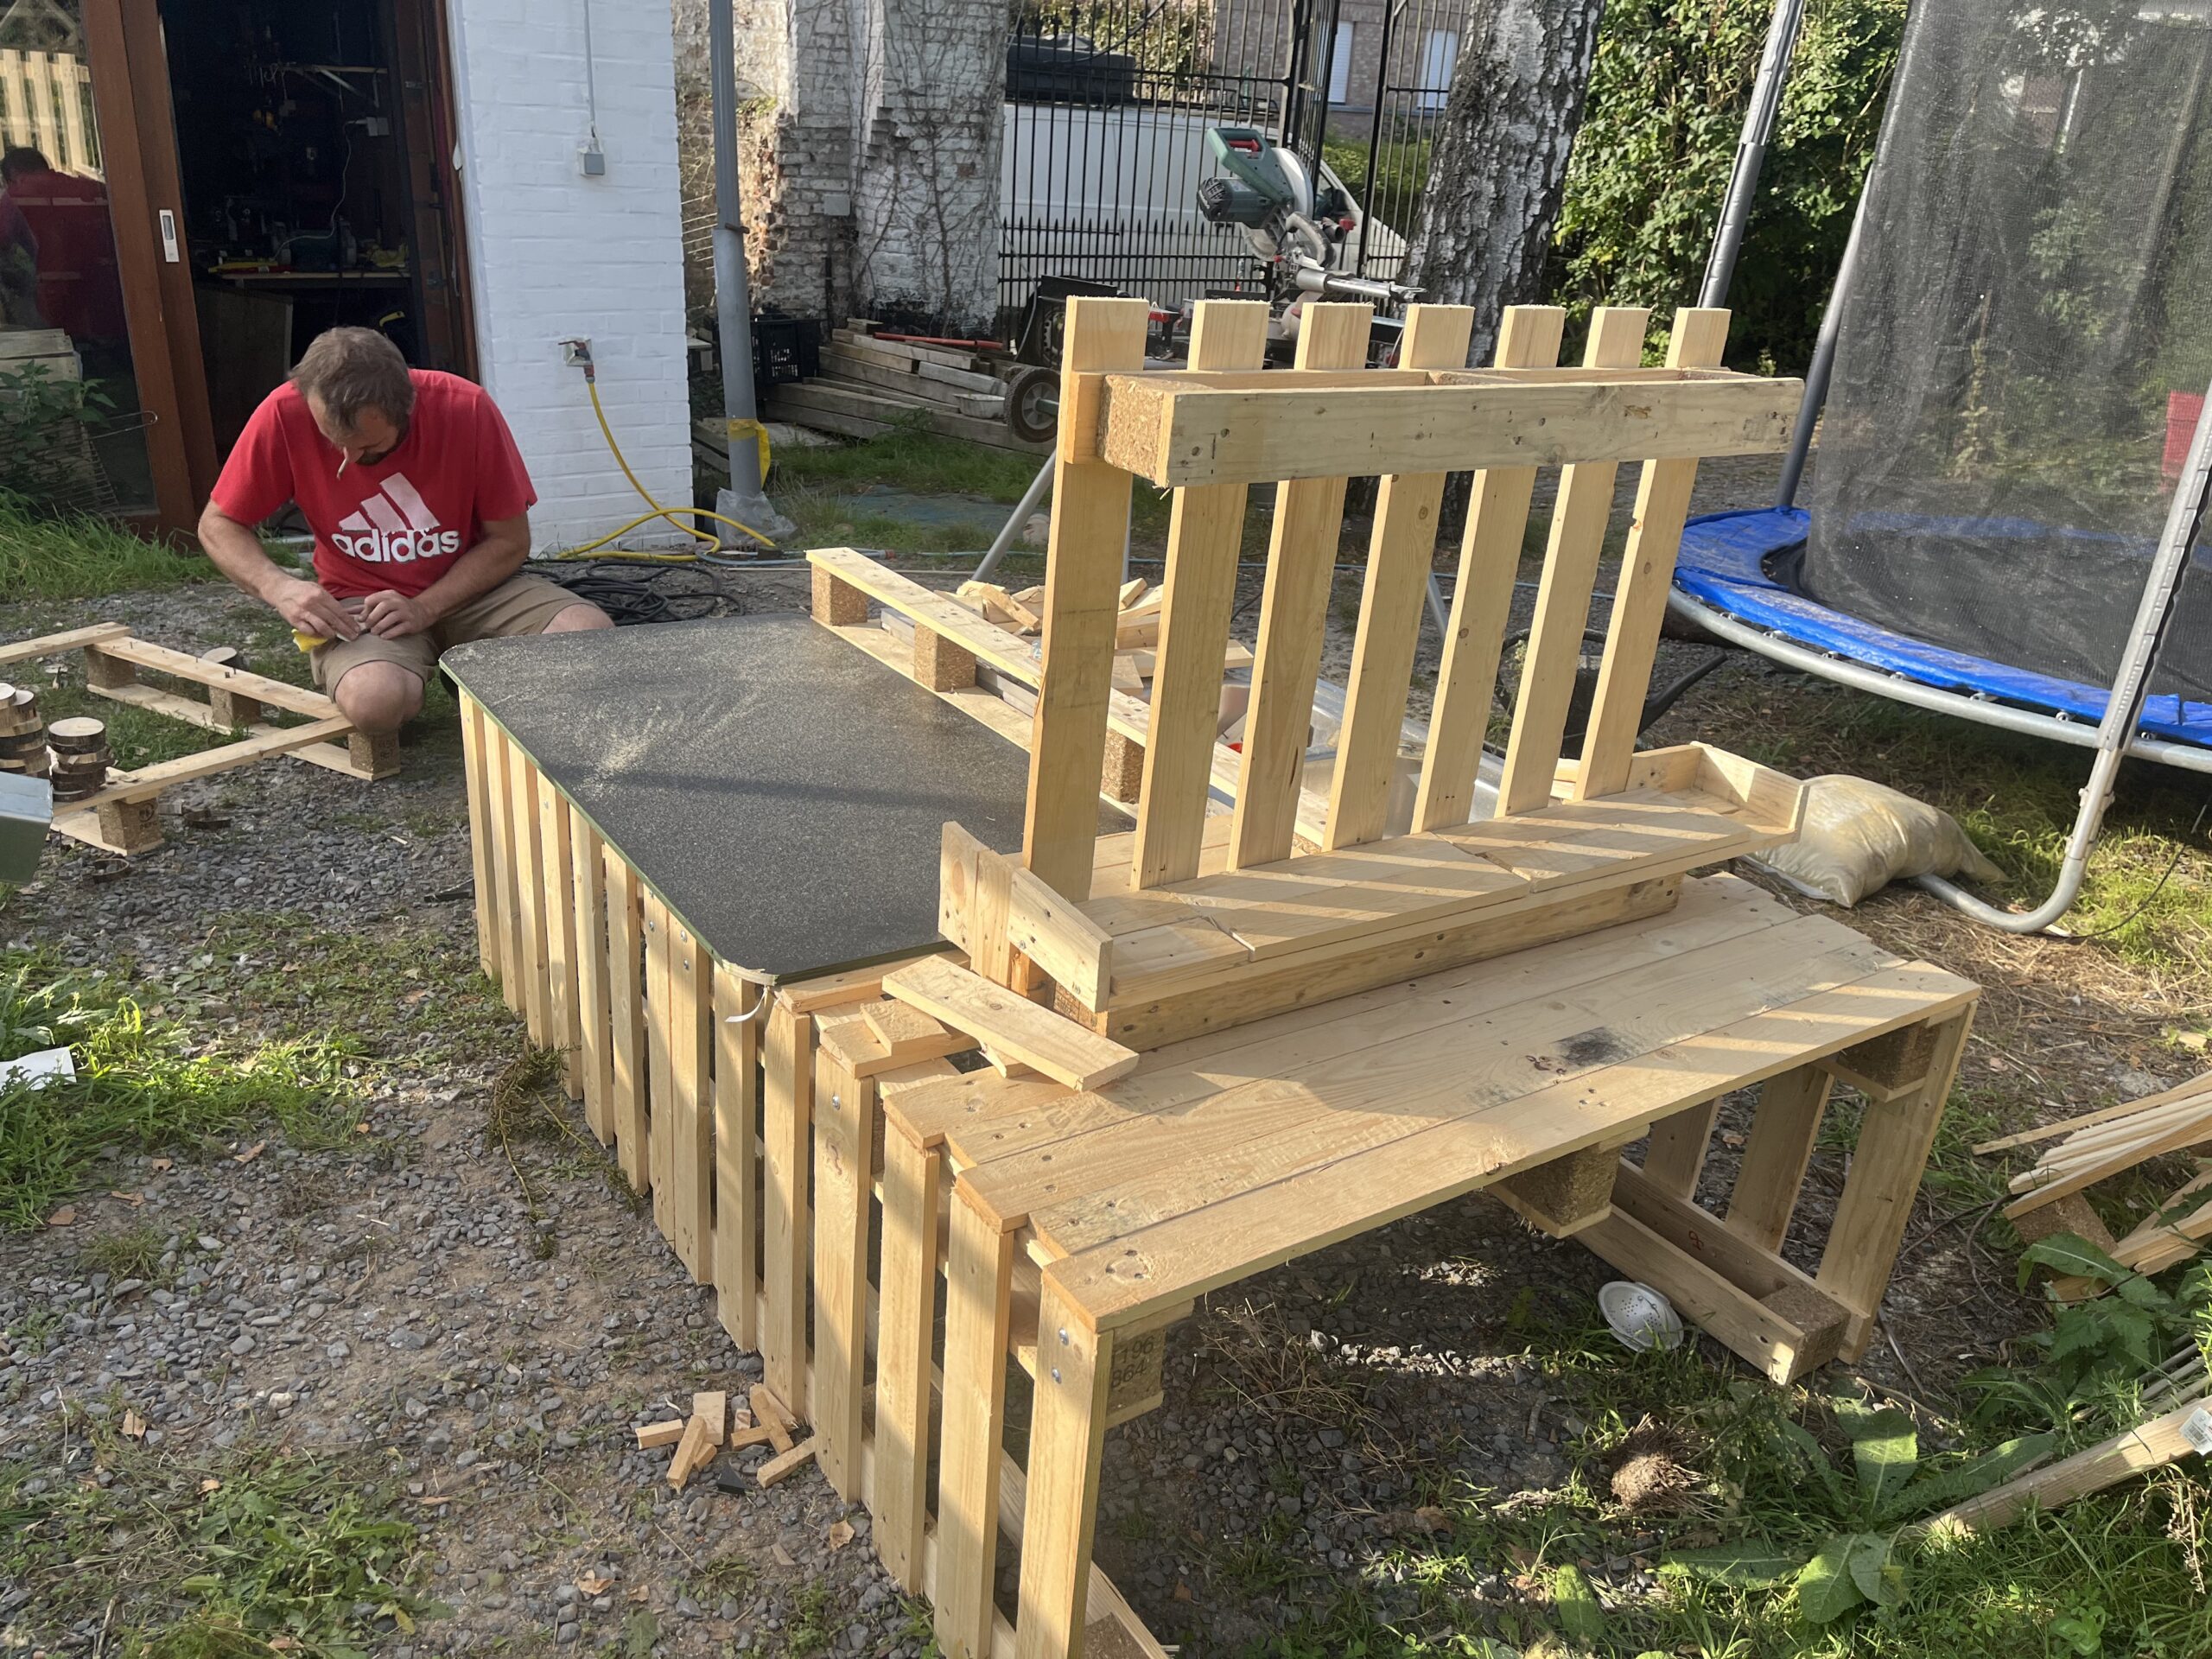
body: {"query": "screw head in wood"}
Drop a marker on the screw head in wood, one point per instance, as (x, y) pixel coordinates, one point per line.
(1056, 1373)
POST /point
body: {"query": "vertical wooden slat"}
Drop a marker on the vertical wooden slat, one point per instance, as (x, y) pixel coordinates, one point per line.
(1783, 1129)
(1675, 1157)
(627, 1104)
(1398, 561)
(660, 1079)
(530, 889)
(1577, 538)
(786, 1112)
(1663, 507)
(505, 760)
(691, 1157)
(1294, 612)
(1482, 599)
(737, 1156)
(1067, 1436)
(559, 905)
(978, 1314)
(1205, 534)
(594, 1027)
(1083, 577)
(1895, 1138)
(476, 771)
(906, 1318)
(844, 1133)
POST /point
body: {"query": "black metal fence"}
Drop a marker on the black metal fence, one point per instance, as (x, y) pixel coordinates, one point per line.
(1108, 105)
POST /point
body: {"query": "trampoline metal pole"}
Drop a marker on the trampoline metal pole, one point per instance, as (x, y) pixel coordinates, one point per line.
(1816, 375)
(1759, 119)
(2124, 708)
(1011, 529)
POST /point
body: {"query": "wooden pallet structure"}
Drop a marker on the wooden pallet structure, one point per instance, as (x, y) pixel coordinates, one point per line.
(1152, 1062)
(122, 819)
(868, 386)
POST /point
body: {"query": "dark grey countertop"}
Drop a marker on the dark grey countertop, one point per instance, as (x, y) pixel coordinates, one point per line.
(783, 792)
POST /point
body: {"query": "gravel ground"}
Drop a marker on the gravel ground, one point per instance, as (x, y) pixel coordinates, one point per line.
(489, 1315)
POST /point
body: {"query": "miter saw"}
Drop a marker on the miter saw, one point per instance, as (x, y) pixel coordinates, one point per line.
(1296, 219)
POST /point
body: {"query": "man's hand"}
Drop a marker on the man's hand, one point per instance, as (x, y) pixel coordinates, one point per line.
(395, 616)
(310, 610)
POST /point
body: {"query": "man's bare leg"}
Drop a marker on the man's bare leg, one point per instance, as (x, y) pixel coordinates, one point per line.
(379, 697)
(579, 618)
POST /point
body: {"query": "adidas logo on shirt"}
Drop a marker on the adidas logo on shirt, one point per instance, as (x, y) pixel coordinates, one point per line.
(395, 526)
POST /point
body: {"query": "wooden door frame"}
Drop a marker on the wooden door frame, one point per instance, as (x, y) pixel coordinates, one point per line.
(439, 146)
(129, 65)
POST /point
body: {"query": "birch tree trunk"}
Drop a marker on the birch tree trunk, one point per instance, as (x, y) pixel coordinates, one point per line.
(1499, 164)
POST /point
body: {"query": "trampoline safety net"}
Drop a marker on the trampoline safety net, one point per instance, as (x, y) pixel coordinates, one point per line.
(2025, 338)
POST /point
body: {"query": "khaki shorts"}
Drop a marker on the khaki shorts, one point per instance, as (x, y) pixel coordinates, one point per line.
(521, 604)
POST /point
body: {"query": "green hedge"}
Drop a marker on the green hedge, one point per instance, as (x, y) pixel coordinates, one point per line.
(1651, 166)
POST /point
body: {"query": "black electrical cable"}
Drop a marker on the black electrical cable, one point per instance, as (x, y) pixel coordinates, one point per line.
(634, 593)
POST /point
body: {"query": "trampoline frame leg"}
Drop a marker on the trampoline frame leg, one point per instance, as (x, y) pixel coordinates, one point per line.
(2124, 708)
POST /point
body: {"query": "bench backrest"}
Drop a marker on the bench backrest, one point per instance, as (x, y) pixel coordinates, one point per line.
(1213, 430)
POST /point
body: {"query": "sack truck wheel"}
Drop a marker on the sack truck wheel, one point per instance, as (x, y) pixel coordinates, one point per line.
(1033, 405)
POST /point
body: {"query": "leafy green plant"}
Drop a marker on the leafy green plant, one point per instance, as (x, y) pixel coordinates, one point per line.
(1857, 1562)
(42, 416)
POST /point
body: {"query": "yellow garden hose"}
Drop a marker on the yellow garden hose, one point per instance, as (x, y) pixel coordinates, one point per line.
(674, 515)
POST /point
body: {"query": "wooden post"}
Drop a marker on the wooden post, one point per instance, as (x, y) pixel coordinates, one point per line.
(627, 1080)
(1783, 1129)
(786, 1113)
(690, 1160)
(913, 1187)
(1676, 1156)
(563, 1028)
(594, 1020)
(844, 1134)
(1895, 1138)
(737, 1160)
(836, 604)
(660, 1076)
(1083, 583)
(504, 759)
(940, 665)
(530, 888)
(1067, 1437)
(977, 1325)
(480, 820)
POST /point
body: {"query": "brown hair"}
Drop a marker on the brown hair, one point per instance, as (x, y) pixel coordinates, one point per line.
(349, 370)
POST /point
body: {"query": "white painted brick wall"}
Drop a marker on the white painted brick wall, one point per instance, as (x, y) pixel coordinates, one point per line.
(553, 254)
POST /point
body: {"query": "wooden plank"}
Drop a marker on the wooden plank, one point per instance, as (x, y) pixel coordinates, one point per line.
(628, 1069)
(594, 1017)
(1012, 1026)
(1067, 1437)
(1177, 430)
(1083, 577)
(530, 888)
(183, 665)
(1230, 1238)
(1399, 555)
(843, 1136)
(1482, 599)
(1293, 613)
(660, 1076)
(1675, 1157)
(1663, 505)
(786, 1245)
(1206, 533)
(1577, 536)
(53, 645)
(941, 613)
(906, 1316)
(558, 903)
(2148, 1445)
(2194, 1089)
(1895, 1138)
(507, 760)
(1058, 938)
(1784, 1127)
(147, 782)
(690, 1055)
(978, 1325)
(737, 1155)
(476, 770)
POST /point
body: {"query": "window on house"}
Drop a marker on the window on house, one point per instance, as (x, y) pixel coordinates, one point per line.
(1439, 56)
(1340, 66)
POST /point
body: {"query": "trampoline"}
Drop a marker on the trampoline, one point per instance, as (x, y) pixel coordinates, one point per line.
(2010, 384)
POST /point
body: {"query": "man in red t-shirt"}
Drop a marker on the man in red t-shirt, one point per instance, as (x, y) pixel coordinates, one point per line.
(420, 506)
